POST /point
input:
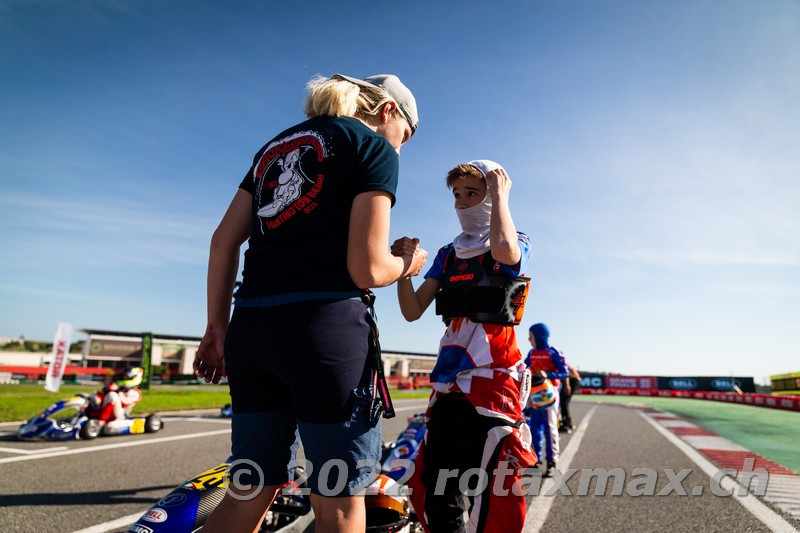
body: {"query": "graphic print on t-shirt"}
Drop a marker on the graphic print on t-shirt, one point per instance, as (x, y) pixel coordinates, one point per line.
(283, 187)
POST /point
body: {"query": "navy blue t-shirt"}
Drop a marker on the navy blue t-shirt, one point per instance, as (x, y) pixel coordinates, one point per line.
(303, 183)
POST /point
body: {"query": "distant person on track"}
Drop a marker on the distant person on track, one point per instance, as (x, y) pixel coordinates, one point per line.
(549, 363)
(121, 395)
(569, 387)
(300, 349)
(480, 384)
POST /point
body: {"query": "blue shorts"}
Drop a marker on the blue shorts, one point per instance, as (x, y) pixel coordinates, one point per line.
(302, 368)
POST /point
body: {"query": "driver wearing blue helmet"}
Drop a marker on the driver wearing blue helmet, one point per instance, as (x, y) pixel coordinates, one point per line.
(549, 363)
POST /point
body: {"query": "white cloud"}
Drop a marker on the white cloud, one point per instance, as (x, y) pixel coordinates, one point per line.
(102, 232)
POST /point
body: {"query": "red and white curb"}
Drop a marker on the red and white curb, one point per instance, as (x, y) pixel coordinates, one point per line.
(783, 487)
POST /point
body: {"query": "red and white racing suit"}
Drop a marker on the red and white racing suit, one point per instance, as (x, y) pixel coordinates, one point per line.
(475, 421)
(118, 404)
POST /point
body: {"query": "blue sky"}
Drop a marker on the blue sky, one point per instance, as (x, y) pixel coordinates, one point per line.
(653, 147)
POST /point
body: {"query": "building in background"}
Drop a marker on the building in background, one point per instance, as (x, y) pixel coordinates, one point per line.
(174, 354)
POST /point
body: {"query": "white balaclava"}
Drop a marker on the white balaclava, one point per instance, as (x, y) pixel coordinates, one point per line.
(474, 238)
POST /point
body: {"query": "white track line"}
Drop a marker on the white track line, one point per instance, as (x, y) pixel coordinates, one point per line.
(766, 515)
(198, 419)
(90, 449)
(33, 452)
(540, 505)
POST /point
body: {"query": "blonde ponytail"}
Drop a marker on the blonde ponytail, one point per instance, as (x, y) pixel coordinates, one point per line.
(341, 98)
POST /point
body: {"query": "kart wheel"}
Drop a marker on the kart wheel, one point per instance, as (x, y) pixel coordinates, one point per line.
(90, 429)
(152, 423)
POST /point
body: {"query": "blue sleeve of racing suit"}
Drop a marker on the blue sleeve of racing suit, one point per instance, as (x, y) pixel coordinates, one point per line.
(525, 255)
(437, 270)
(561, 365)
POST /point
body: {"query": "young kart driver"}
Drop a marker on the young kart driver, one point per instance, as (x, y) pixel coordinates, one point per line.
(474, 415)
(119, 396)
(548, 362)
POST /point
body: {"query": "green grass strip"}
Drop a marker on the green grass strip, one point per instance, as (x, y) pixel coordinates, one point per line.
(773, 433)
(20, 402)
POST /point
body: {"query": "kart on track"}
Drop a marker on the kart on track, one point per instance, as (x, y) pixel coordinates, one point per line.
(188, 506)
(81, 417)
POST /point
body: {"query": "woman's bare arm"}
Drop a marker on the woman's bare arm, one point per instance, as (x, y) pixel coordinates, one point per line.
(369, 261)
(223, 263)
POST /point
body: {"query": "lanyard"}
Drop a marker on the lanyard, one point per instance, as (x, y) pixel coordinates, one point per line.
(380, 405)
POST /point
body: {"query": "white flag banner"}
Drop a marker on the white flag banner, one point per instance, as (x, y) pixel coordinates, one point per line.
(58, 359)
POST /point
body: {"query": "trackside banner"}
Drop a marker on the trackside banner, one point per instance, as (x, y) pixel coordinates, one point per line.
(591, 380)
(774, 401)
(631, 382)
(707, 383)
(58, 359)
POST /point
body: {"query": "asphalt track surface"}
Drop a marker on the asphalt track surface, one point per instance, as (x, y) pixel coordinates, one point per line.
(77, 485)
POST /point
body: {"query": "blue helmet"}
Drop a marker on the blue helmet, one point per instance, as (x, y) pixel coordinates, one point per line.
(541, 334)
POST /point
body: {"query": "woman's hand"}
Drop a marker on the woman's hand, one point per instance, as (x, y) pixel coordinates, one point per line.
(209, 361)
(410, 250)
(417, 261)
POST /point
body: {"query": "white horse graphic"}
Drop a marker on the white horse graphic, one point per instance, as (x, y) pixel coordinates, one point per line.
(290, 183)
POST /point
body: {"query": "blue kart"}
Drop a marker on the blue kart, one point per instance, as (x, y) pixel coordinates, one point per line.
(400, 453)
(80, 417)
(189, 505)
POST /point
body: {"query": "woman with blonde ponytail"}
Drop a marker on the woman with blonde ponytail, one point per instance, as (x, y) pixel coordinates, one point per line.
(299, 350)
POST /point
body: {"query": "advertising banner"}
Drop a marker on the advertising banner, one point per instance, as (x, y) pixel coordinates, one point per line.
(706, 383)
(147, 359)
(786, 383)
(619, 382)
(631, 382)
(591, 380)
(58, 360)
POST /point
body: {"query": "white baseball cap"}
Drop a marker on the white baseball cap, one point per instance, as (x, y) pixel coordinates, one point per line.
(396, 90)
